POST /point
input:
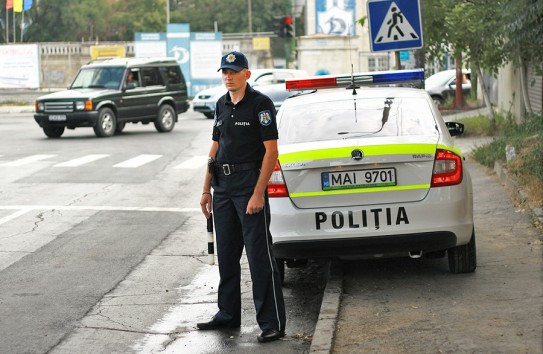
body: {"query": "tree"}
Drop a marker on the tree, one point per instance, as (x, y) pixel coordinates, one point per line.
(471, 29)
(524, 45)
(230, 16)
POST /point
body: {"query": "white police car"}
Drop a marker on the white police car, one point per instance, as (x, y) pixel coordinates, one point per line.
(369, 172)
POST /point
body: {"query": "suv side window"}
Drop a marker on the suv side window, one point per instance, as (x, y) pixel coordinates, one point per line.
(171, 74)
(150, 77)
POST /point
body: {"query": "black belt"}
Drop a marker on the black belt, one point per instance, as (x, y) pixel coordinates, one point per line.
(227, 169)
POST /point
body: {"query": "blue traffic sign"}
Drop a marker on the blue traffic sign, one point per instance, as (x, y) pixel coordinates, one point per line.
(394, 25)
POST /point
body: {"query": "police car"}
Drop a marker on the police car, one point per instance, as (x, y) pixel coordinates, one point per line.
(369, 172)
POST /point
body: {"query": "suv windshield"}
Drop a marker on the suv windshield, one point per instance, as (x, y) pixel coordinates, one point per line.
(355, 118)
(99, 77)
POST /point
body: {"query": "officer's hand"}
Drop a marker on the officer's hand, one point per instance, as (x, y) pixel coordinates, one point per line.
(255, 205)
(206, 204)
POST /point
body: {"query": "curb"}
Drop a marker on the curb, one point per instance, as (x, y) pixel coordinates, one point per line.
(325, 330)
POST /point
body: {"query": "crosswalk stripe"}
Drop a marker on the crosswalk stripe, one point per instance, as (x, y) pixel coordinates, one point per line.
(28, 160)
(193, 163)
(82, 160)
(137, 161)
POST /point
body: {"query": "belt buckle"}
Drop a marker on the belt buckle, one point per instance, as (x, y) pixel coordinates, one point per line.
(226, 169)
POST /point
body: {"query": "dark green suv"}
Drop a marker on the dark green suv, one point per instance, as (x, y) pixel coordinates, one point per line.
(107, 94)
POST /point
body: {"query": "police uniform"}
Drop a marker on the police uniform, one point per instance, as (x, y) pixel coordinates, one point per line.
(240, 131)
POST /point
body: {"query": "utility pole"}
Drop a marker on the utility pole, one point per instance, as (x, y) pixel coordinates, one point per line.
(250, 15)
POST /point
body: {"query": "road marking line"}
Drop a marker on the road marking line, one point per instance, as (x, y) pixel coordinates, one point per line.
(193, 163)
(15, 215)
(98, 208)
(27, 160)
(137, 161)
(82, 160)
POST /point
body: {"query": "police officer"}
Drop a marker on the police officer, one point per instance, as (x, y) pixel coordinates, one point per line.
(241, 160)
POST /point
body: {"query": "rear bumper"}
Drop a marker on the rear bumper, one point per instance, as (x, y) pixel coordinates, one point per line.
(365, 246)
(444, 219)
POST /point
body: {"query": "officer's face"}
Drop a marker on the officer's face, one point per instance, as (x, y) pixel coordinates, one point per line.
(235, 80)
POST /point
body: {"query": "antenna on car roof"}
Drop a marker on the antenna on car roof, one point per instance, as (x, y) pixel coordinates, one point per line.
(353, 85)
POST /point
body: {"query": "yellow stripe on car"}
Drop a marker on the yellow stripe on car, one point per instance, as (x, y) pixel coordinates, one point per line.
(372, 150)
(358, 190)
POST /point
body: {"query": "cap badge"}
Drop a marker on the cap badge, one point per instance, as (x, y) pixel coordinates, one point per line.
(231, 58)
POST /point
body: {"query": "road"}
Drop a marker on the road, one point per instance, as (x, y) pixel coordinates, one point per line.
(103, 247)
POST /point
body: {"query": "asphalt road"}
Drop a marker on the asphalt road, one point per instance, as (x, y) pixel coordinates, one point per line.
(103, 247)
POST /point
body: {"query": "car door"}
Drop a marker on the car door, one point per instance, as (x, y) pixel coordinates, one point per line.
(132, 102)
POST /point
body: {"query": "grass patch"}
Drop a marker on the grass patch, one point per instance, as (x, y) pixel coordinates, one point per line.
(527, 141)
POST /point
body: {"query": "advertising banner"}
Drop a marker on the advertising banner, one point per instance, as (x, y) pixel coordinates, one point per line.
(206, 53)
(19, 66)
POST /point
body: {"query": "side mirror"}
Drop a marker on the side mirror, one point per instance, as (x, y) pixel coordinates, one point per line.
(130, 86)
(455, 128)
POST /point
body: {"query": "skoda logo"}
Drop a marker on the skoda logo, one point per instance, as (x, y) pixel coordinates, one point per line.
(357, 154)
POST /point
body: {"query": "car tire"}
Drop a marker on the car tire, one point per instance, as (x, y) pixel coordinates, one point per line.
(463, 259)
(106, 124)
(281, 268)
(438, 101)
(53, 132)
(165, 121)
(209, 115)
(119, 128)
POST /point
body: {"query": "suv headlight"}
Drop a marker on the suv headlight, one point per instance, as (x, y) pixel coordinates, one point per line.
(80, 105)
(40, 107)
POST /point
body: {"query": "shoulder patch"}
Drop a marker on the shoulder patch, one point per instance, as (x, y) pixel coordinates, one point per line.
(265, 118)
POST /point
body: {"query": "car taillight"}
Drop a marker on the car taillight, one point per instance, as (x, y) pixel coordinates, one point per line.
(276, 186)
(447, 169)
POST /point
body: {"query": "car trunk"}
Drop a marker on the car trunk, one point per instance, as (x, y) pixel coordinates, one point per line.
(340, 173)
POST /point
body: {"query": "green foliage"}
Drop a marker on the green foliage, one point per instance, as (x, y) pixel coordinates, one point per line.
(526, 138)
(113, 20)
(524, 30)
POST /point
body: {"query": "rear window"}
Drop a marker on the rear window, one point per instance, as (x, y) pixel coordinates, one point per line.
(356, 118)
(171, 74)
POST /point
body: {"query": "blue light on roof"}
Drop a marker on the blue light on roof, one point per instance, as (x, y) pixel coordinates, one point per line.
(391, 77)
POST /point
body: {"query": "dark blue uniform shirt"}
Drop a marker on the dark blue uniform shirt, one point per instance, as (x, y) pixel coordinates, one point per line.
(241, 129)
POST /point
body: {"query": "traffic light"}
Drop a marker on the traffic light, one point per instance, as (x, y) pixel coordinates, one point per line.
(279, 26)
(289, 27)
(284, 26)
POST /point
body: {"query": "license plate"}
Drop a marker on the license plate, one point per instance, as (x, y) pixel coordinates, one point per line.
(381, 177)
(57, 118)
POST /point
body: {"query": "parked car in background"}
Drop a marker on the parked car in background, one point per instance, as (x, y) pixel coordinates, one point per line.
(270, 82)
(107, 94)
(442, 85)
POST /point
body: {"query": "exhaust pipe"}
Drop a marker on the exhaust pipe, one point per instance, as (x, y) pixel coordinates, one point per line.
(415, 254)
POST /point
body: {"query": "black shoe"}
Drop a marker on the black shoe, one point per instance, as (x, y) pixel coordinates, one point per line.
(270, 335)
(214, 324)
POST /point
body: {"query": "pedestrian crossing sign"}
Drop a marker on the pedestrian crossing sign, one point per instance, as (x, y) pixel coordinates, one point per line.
(394, 25)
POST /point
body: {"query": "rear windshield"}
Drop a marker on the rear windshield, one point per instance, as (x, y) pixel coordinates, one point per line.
(355, 118)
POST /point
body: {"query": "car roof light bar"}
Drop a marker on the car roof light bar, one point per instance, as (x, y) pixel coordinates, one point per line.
(415, 76)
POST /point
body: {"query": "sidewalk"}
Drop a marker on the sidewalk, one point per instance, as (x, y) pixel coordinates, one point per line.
(334, 311)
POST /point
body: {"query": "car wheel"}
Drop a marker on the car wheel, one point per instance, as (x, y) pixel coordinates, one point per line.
(281, 268)
(463, 259)
(438, 101)
(119, 128)
(106, 124)
(53, 132)
(166, 119)
(209, 115)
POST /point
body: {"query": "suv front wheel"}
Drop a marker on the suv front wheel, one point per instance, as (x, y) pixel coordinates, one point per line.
(166, 119)
(53, 132)
(106, 124)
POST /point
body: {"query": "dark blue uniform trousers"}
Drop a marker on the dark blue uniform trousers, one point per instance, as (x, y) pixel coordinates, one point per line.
(234, 230)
